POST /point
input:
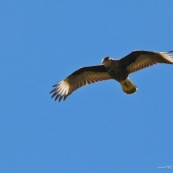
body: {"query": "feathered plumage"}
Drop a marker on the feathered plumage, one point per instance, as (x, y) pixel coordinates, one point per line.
(111, 69)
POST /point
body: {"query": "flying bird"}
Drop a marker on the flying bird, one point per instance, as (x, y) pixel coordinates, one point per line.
(111, 69)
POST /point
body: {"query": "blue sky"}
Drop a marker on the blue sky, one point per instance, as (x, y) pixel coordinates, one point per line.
(98, 128)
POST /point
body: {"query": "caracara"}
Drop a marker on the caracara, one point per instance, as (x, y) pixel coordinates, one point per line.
(111, 69)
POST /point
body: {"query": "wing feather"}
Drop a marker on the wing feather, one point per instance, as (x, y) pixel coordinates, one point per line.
(79, 78)
(138, 60)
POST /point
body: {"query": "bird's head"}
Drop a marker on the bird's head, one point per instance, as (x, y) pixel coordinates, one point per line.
(106, 60)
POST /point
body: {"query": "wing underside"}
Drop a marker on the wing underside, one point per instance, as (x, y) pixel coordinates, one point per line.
(81, 77)
(138, 60)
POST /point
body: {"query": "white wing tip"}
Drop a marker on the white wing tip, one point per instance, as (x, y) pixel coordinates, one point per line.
(60, 91)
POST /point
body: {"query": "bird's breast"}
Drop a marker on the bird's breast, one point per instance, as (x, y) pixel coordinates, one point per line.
(117, 72)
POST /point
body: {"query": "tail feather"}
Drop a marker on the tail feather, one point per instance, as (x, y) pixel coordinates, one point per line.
(128, 87)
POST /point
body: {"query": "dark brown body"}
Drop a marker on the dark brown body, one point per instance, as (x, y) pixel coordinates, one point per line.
(117, 70)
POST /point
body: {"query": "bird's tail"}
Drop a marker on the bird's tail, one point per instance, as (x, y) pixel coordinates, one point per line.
(128, 87)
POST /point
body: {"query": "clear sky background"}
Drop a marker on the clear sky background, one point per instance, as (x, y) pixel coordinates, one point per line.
(98, 129)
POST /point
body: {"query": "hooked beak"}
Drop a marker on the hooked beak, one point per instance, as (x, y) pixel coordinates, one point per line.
(103, 60)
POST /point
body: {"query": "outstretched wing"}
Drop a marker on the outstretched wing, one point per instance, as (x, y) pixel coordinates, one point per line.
(79, 78)
(138, 60)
